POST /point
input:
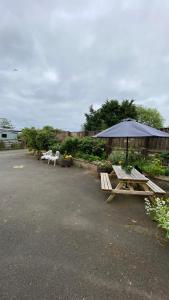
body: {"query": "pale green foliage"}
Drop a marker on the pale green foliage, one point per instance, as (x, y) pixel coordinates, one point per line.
(87, 147)
(28, 135)
(117, 157)
(38, 139)
(153, 167)
(159, 210)
(149, 116)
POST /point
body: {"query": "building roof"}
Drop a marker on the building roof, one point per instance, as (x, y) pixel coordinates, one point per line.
(9, 130)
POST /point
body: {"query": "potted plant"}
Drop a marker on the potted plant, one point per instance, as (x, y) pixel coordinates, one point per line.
(66, 160)
(104, 166)
(127, 168)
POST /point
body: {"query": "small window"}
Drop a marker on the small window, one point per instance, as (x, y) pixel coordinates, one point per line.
(4, 135)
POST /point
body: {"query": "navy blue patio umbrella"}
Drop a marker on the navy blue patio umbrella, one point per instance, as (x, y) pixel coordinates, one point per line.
(129, 128)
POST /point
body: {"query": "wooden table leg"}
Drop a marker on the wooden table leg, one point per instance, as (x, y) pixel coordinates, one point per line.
(146, 188)
(118, 187)
(112, 174)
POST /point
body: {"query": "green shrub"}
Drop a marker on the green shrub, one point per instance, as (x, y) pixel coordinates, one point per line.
(104, 166)
(159, 210)
(87, 148)
(166, 171)
(88, 157)
(117, 157)
(93, 146)
(55, 147)
(153, 168)
(38, 139)
(70, 145)
(135, 159)
(165, 157)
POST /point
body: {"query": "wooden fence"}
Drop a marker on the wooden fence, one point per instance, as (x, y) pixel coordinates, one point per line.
(150, 144)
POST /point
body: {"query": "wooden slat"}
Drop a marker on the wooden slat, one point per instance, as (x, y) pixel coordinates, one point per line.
(133, 176)
(109, 187)
(154, 187)
(129, 192)
(102, 181)
(105, 182)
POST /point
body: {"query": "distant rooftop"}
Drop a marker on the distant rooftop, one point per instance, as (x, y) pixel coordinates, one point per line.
(9, 129)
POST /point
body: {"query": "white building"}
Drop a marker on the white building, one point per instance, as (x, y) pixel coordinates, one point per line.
(8, 134)
(8, 137)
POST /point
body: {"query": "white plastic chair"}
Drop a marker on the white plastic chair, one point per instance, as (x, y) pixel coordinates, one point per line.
(54, 158)
(46, 155)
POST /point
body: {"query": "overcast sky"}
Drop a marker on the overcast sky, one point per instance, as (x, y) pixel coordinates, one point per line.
(58, 57)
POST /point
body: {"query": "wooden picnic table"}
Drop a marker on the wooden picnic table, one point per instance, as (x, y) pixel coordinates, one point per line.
(133, 183)
(128, 183)
(134, 176)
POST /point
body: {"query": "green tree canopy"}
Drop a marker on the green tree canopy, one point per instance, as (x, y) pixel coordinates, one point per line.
(111, 112)
(149, 116)
(28, 135)
(38, 139)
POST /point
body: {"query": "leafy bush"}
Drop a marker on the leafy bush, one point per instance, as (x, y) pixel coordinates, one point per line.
(38, 139)
(88, 157)
(104, 166)
(70, 145)
(166, 171)
(117, 157)
(135, 159)
(153, 168)
(41, 140)
(28, 136)
(55, 147)
(128, 168)
(92, 146)
(87, 148)
(165, 157)
(159, 211)
(44, 138)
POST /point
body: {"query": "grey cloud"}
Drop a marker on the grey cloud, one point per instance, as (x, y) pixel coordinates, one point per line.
(70, 54)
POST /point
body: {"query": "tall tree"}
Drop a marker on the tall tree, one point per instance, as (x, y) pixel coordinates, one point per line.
(128, 109)
(149, 116)
(111, 112)
(93, 120)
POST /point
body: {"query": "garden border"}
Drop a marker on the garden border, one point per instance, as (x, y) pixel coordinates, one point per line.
(85, 164)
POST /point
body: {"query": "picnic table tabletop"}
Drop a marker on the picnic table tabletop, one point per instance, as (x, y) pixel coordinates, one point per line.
(135, 175)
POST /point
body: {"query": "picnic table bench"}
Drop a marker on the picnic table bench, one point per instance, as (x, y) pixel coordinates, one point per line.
(155, 188)
(127, 184)
(105, 182)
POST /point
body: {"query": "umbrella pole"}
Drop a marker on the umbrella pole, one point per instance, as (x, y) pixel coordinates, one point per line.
(127, 154)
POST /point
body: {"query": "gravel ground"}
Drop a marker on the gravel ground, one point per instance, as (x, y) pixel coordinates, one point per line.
(60, 240)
